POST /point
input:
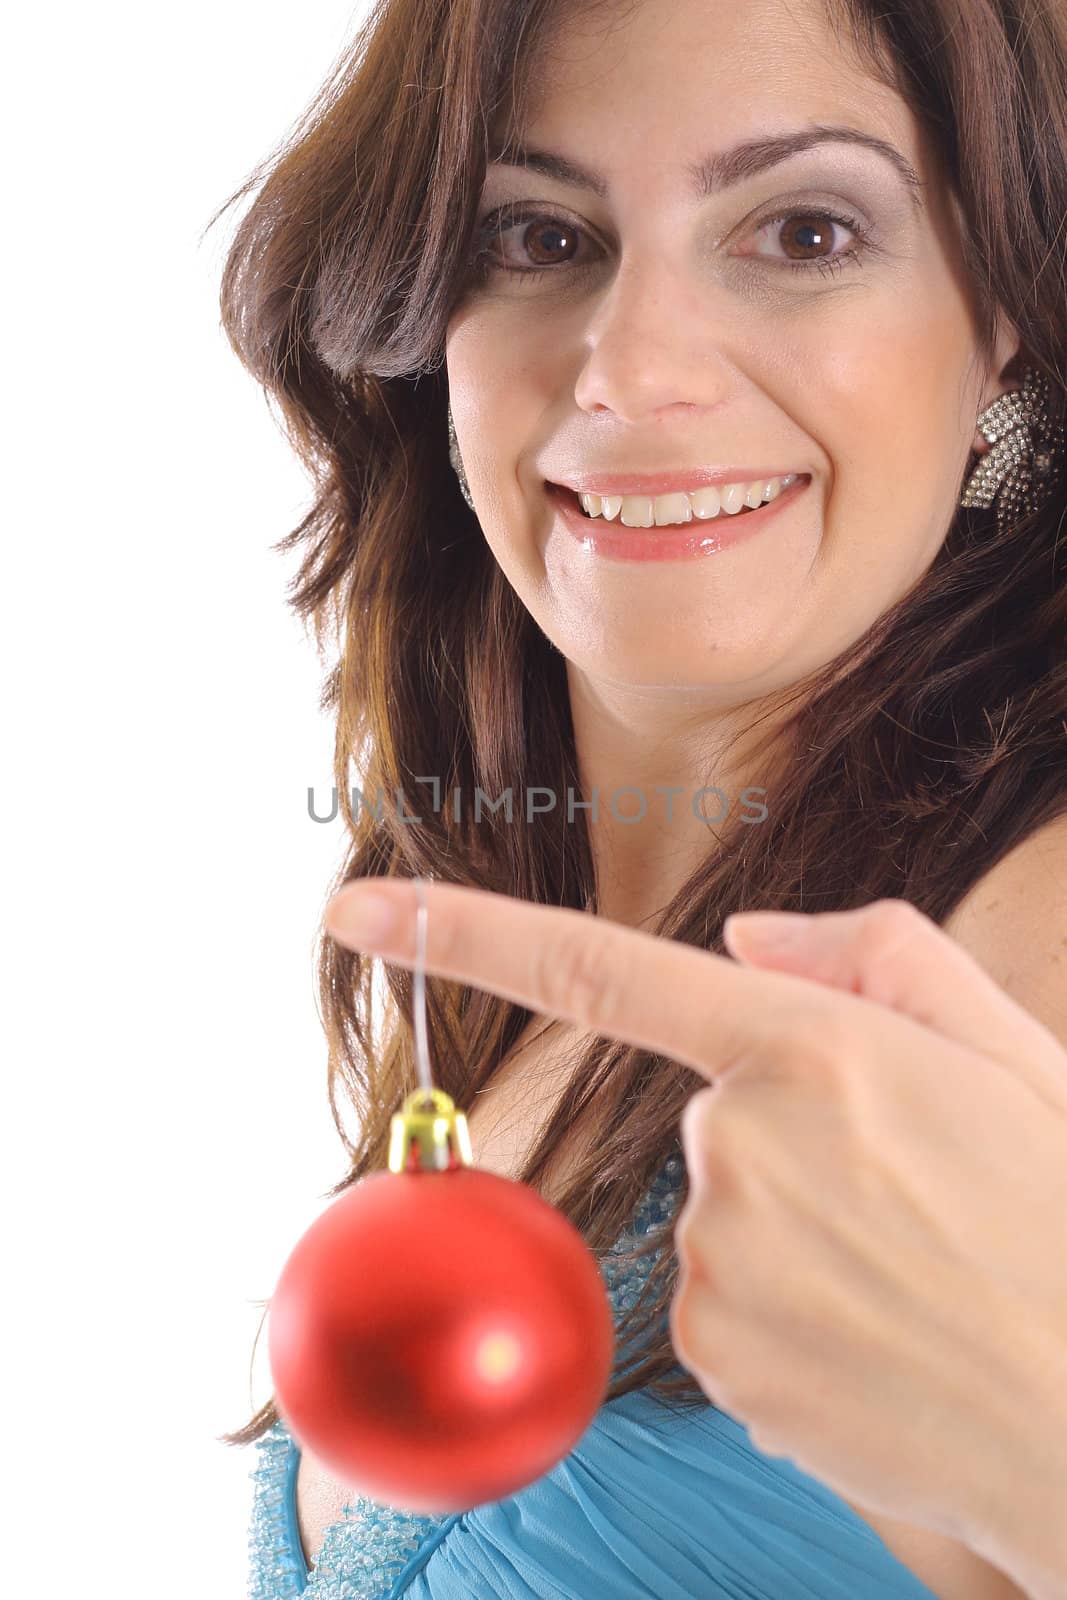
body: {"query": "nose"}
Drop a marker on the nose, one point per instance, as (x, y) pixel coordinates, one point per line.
(659, 338)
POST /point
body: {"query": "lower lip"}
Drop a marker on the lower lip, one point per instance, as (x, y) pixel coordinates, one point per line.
(681, 542)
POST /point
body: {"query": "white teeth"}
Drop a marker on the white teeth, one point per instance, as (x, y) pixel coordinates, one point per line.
(667, 510)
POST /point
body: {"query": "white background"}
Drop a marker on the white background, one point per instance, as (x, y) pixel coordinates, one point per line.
(167, 1136)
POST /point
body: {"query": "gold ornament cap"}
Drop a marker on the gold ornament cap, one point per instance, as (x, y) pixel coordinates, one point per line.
(428, 1134)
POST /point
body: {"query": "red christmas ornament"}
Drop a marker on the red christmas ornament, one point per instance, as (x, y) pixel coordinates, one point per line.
(440, 1336)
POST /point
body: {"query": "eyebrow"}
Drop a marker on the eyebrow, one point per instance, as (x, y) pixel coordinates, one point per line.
(721, 169)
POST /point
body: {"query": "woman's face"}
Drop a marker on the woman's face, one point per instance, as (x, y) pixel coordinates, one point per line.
(739, 328)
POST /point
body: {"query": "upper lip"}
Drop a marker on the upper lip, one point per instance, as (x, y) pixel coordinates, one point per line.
(653, 483)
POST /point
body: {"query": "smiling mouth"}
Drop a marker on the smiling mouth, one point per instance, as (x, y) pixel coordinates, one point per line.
(718, 515)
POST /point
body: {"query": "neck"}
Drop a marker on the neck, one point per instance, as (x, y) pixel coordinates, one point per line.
(671, 777)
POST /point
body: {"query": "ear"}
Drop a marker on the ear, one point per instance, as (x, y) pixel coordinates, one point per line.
(1006, 364)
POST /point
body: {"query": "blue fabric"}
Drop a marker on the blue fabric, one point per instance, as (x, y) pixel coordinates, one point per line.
(651, 1504)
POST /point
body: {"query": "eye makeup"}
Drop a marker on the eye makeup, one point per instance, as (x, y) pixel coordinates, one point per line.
(525, 218)
(845, 234)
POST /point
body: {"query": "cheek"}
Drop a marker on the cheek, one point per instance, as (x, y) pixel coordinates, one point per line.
(491, 381)
(889, 409)
(507, 392)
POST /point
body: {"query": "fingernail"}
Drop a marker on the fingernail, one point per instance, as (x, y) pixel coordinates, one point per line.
(358, 913)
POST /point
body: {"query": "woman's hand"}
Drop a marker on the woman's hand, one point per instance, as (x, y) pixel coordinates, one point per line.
(873, 1276)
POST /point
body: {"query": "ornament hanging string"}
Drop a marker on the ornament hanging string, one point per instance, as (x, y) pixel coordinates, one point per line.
(422, 1049)
(435, 1380)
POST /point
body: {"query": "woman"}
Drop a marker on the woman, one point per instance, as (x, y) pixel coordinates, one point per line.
(787, 257)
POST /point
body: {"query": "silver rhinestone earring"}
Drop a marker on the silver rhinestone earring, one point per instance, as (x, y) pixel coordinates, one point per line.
(456, 460)
(1023, 466)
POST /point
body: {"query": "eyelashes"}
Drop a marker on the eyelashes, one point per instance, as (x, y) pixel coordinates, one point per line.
(483, 263)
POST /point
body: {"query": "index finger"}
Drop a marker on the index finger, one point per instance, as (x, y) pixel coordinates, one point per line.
(707, 1011)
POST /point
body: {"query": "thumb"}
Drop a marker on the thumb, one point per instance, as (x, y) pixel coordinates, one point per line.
(891, 953)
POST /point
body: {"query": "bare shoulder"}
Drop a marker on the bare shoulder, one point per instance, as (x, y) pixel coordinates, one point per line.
(1014, 923)
(320, 1501)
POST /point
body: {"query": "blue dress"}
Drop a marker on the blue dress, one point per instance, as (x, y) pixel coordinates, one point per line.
(650, 1505)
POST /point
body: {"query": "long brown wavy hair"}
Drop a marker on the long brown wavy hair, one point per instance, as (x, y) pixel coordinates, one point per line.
(917, 759)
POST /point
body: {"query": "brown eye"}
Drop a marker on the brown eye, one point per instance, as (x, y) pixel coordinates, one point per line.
(808, 236)
(806, 241)
(512, 240)
(541, 242)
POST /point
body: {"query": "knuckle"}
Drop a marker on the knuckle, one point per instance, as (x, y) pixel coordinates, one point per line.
(727, 1156)
(681, 1324)
(717, 1153)
(683, 1239)
(728, 1124)
(583, 975)
(890, 924)
(703, 1343)
(728, 1139)
(693, 1320)
(697, 1116)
